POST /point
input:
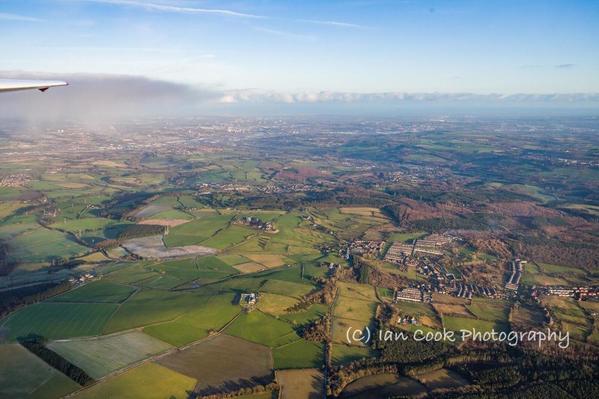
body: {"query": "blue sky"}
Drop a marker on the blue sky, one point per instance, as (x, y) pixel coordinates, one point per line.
(361, 46)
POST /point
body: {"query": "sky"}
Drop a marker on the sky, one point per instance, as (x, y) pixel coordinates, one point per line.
(294, 51)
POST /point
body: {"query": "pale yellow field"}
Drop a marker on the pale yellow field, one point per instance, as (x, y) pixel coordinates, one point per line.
(300, 384)
(7, 208)
(357, 291)
(452, 309)
(589, 305)
(164, 222)
(444, 298)
(73, 185)
(109, 164)
(275, 304)
(442, 379)
(267, 260)
(250, 267)
(362, 211)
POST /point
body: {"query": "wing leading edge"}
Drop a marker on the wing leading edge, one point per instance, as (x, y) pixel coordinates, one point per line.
(41, 85)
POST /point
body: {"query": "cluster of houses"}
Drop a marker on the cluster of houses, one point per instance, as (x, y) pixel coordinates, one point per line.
(431, 245)
(409, 294)
(407, 320)
(256, 223)
(444, 282)
(517, 268)
(209, 188)
(366, 248)
(463, 290)
(284, 188)
(248, 300)
(16, 180)
(84, 278)
(580, 292)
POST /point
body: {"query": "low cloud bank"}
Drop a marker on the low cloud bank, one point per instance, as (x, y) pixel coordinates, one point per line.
(103, 98)
(262, 96)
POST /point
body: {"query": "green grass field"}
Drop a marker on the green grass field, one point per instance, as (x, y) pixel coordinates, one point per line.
(103, 355)
(233, 260)
(314, 312)
(462, 323)
(129, 273)
(405, 237)
(286, 288)
(148, 381)
(275, 304)
(206, 269)
(24, 375)
(228, 236)
(489, 309)
(210, 313)
(59, 320)
(354, 308)
(84, 224)
(43, 245)
(195, 231)
(263, 329)
(150, 306)
(342, 354)
(298, 354)
(97, 291)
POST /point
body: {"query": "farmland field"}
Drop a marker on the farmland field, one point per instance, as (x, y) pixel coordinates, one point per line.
(298, 354)
(148, 381)
(385, 385)
(250, 267)
(59, 320)
(228, 236)
(275, 304)
(267, 260)
(569, 316)
(354, 308)
(301, 384)
(442, 378)
(461, 323)
(286, 288)
(343, 353)
(103, 355)
(222, 361)
(210, 313)
(99, 291)
(312, 313)
(204, 269)
(150, 306)
(196, 231)
(233, 260)
(263, 329)
(24, 375)
(42, 245)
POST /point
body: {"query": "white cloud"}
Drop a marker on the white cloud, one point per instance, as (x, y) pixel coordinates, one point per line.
(177, 9)
(281, 33)
(265, 96)
(337, 24)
